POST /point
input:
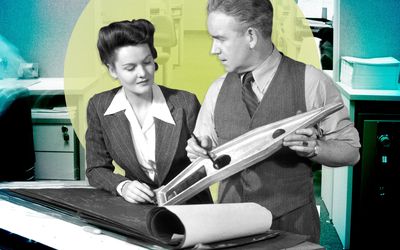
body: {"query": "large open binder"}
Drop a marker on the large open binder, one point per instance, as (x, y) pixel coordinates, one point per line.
(152, 226)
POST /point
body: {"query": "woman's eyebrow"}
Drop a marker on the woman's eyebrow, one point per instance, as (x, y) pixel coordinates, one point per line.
(130, 63)
(147, 57)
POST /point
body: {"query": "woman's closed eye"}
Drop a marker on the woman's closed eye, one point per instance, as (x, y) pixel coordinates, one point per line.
(131, 67)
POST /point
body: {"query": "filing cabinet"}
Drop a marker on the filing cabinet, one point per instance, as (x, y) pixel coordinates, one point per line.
(376, 176)
(363, 198)
(56, 147)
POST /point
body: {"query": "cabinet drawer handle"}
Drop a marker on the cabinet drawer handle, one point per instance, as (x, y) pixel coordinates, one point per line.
(64, 130)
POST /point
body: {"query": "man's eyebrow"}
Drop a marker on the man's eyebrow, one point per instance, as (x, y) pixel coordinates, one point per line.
(217, 37)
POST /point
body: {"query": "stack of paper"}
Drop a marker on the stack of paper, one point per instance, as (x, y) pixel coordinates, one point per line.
(370, 73)
(56, 112)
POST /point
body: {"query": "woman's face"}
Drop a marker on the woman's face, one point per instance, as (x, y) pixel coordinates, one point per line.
(134, 67)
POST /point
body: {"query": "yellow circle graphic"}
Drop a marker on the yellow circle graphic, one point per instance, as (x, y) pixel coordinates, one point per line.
(185, 63)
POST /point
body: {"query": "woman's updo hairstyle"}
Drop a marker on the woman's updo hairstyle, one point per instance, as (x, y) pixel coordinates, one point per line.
(125, 33)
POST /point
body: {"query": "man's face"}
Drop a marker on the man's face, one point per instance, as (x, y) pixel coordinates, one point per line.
(230, 42)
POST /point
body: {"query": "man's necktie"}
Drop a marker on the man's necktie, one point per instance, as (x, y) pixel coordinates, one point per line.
(248, 96)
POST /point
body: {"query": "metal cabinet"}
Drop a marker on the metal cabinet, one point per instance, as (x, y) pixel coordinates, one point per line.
(359, 199)
(56, 150)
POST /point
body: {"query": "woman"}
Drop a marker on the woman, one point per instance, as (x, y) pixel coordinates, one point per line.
(141, 126)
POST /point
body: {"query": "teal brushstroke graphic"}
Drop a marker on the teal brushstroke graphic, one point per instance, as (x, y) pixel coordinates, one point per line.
(10, 59)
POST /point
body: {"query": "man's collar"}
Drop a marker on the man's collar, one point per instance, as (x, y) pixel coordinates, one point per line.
(263, 71)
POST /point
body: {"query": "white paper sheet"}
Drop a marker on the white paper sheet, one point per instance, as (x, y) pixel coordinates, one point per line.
(376, 61)
(216, 222)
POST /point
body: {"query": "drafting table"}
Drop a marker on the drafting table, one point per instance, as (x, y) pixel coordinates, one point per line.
(61, 231)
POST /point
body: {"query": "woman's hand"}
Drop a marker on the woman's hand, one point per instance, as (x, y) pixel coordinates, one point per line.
(137, 192)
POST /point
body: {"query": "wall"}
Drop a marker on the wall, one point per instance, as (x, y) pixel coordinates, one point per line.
(40, 29)
(195, 16)
(369, 28)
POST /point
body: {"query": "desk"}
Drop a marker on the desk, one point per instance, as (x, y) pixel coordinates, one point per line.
(57, 230)
(353, 95)
(47, 86)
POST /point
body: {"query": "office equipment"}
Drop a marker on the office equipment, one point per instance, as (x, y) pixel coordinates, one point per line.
(237, 155)
(370, 73)
(28, 70)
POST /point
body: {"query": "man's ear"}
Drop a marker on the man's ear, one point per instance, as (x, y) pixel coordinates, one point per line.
(253, 37)
(112, 72)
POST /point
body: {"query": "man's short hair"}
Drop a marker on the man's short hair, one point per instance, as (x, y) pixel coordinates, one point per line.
(251, 13)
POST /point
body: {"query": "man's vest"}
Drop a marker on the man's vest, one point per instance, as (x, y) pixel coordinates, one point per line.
(282, 182)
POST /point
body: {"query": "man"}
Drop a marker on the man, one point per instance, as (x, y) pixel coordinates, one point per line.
(279, 87)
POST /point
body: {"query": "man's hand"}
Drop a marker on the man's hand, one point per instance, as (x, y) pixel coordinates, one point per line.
(303, 142)
(137, 192)
(194, 150)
